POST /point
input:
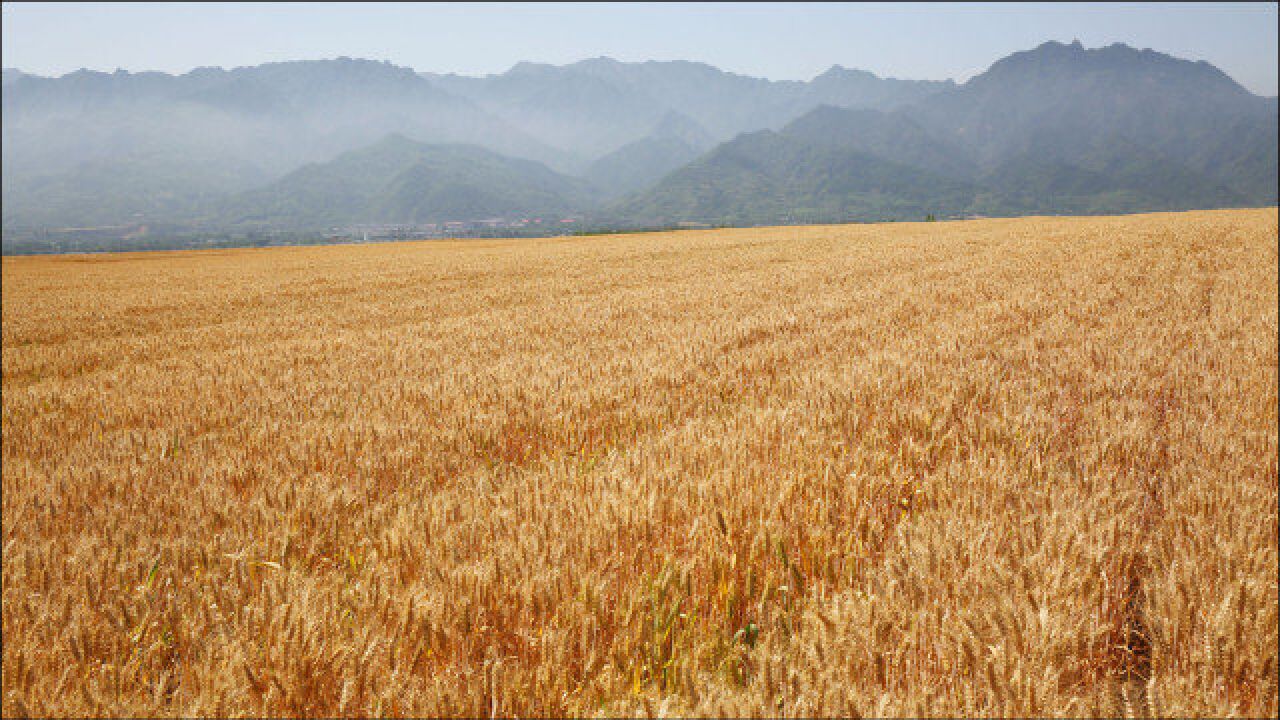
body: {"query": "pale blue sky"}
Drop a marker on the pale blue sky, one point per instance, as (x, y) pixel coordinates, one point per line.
(778, 41)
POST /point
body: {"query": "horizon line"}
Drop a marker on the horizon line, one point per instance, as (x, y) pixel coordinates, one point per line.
(954, 79)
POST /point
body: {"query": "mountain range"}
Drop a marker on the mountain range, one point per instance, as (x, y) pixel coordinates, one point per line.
(1057, 129)
(399, 181)
(300, 145)
(597, 106)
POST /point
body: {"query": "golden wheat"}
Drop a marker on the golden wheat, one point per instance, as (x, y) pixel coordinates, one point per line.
(999, 467)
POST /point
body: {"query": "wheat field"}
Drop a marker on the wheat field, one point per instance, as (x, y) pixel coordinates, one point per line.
(993, 467)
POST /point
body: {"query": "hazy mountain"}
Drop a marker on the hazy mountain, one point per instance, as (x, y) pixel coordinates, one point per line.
(584, 115)
(105, 148)
(1077, 106)
(313, 108)
(1057, 129)
(851, 88)
(772, 177)
(675, 141)
(140, 187)
(892, 136)
(1241, 154)
(1109, 175)
(685, 129)
(1169, 105)
(593, 107)
(398, 180)
(9, 75)
(213, 130)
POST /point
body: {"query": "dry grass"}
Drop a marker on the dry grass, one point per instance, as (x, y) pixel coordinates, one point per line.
(994, 467)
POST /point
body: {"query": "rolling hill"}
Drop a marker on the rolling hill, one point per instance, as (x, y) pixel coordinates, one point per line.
(397, 180)
(774, 177)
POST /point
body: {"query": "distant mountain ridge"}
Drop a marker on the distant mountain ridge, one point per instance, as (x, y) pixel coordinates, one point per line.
(9, 75)
(399, 181)
(1055, 129)
(675, 140)
(596, 106)
(95, 148)
(64, 137)
(304, 103)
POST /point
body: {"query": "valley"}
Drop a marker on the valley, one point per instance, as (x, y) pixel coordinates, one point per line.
(260, 155)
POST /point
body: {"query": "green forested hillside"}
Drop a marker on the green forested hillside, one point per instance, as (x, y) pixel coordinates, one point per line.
(770, 177)
(1058, 129)
(400, 181)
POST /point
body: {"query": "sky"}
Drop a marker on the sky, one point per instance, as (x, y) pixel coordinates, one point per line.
(780, 41)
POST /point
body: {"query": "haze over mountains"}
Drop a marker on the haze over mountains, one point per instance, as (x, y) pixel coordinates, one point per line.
(596, 106)
(400, 181)
(1058, 129)
(309, 145)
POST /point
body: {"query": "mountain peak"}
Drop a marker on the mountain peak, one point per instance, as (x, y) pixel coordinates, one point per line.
(839, 71)
(396, 140)
(525, 67)
(677, 125)
(12, 75)
(1055, 59)
(1056, 48)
